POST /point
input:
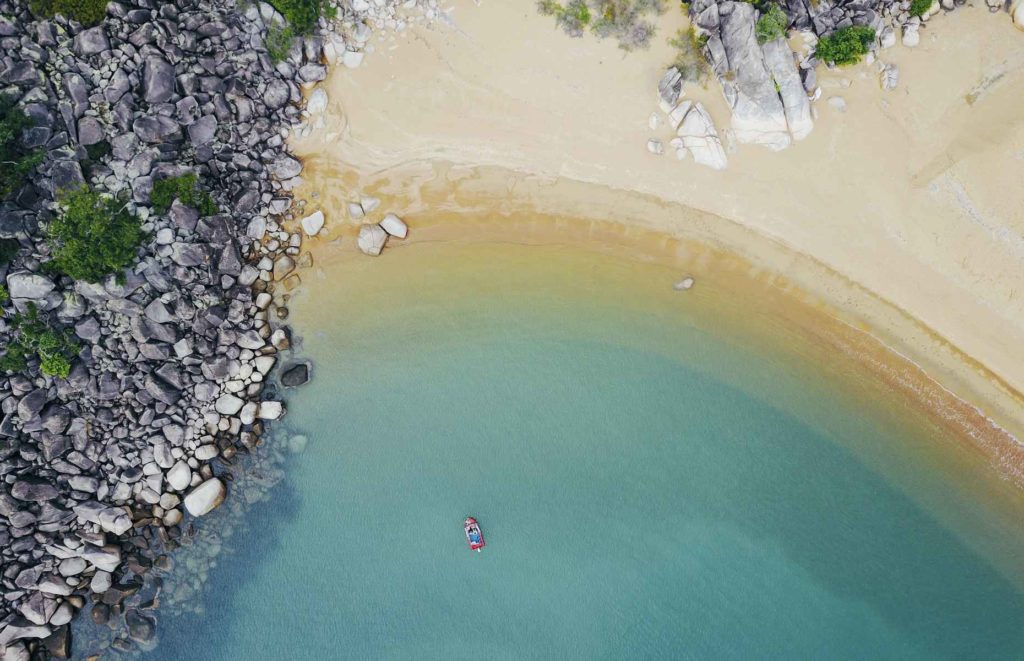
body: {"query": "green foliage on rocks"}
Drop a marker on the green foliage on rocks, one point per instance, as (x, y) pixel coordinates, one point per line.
(302, 15)
(845, 46)
(86, 12)
(690, 60)
(279, 42)
(185, 188)
(33, 336)
(8, 249)
(621, 19)
(16, 161)
(920, 7)
(94, 237)
(772, 24)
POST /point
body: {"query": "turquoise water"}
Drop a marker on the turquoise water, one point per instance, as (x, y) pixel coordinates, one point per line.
(698, 501)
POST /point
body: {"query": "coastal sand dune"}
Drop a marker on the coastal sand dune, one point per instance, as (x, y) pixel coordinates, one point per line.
(910, 200)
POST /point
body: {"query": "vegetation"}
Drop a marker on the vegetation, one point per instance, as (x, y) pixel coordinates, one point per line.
(920, 7)
(33, 336)
(16, 161)
(279, 42)
(8, 249)
(185, 188)
(845, 46)
(690, 60)
(621, 19)
(772, 24)
(86, 12)
(94, 236)
(302, 15)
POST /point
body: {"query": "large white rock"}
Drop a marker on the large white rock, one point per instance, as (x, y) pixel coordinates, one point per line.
(352, 59)
(394, 226)
(313, 223)
(30, 286)
(317, 101)
(270, 410)
(758, 115)
(180, 476)
(701, 139)
(911, 36)
(797, 107)
(206, 497)
(228, 404)
(372, 239)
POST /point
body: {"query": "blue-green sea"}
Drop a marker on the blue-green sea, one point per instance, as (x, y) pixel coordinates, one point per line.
(654, 481)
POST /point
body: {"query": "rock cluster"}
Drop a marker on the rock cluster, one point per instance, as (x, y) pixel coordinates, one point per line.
(768, 87)
(99, 469)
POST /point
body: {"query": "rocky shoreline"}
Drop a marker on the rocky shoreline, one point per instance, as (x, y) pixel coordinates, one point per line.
(103, 468)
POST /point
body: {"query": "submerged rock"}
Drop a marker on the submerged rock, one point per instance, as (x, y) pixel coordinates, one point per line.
(295, 375)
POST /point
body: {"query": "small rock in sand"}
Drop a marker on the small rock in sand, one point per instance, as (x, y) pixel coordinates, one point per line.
(837, 102)
(313, 223)
(655, 147)
(394, 226)
(352, 59)
(684, 284)
(654, 121)
(372, 239)
(356, 211)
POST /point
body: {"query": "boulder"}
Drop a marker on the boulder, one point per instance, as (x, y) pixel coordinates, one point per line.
(91, 41)
(758, 115)
(1017, 12)
(700, 138)
(203, 130)
(180, 476)
(295, 375)
(796, 106)
(29, 286)
(394, 226)
(141, 628)
(317, 102)
(90, 131)
(206, 497)
(270, 410)
(313, 223)
(157, 80)
(889, 76)
(670, 87)
(228, 404)
(372, 239)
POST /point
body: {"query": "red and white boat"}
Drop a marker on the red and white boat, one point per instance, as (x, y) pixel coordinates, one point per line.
(474, 536)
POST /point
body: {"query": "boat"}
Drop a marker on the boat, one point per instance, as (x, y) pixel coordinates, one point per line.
(474, 536)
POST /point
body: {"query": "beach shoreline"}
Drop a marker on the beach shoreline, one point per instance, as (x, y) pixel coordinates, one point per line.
(948, 306)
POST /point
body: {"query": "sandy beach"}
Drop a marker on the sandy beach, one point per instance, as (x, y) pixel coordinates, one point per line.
(901, 216)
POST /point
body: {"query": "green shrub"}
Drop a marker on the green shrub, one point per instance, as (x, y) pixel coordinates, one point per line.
(920, 7)
(845, 46)
(8, 249)
(690, 60)
(185, 188)
(772, 25)
(93, 237)
(32, 335)
(621, 19)
(16, 161)
(86, 12)
(5, 296)
(279, 42)
(302, 15)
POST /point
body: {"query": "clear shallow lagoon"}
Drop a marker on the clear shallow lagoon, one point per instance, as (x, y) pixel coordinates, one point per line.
(650, 486)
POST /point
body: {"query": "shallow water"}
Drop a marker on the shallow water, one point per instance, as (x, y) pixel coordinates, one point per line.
(650, 483)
